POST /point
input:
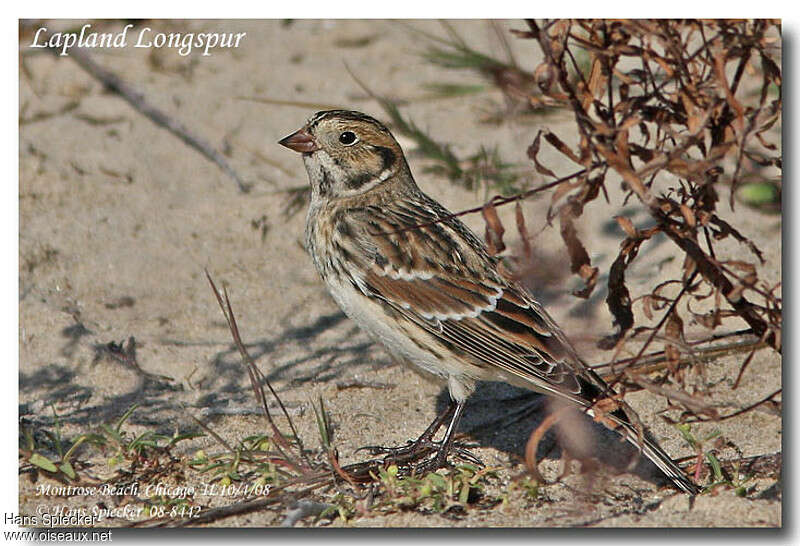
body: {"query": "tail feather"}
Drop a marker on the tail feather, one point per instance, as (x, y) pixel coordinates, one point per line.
(594, 389)
(672, 471)
(653, 451)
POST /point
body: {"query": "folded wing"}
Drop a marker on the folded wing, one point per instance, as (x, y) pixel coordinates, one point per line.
(459, 297)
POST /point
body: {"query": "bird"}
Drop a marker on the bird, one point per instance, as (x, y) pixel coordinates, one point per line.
(419, 281)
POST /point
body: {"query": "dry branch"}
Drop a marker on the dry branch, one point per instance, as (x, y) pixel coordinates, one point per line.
(113, 82)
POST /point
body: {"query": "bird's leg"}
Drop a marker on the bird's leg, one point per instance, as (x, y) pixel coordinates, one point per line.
(440, 460)
(421, 446)
(425, 445)
(437, 423)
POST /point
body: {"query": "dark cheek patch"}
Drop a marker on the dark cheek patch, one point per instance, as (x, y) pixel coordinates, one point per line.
(357, 180)
(387, 156)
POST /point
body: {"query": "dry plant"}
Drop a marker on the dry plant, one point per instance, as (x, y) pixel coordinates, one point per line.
(674, 109)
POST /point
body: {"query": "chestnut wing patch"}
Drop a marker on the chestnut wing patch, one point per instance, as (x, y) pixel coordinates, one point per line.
(493, 338)
(440, 277)
(481, 321)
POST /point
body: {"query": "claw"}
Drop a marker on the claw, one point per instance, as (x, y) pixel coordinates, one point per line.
(467, 456)
(374, 450)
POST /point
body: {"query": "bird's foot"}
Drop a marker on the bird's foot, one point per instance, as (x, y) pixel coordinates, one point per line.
(415, 458)
(440, 460)
(404, 455)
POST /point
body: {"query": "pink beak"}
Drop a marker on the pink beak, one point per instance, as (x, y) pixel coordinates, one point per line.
(300, 141)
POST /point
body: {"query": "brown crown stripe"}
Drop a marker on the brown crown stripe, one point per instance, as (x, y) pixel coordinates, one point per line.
(314, 120)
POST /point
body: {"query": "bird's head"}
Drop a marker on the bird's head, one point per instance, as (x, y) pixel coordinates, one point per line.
(346, 153)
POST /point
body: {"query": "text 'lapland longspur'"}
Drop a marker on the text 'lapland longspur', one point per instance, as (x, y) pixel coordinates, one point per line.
(422, 283)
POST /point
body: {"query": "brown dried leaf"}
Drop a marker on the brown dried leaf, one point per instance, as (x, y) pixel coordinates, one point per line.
(619, 298)
(685, 93)
(692, 402)
(533, 152)
(545, 76)
(673, 328)
(688, 215)
(558, 32)
(524, 34)
(560, 146)
(711, 319)
(597, 82)
(589, 275)
(630, 122)
(673, 356)
(626, 80)
(494, 230)
(725, 228)
(579, 258)
(764, 143)
(586, 151)
(693, 119)
(772, 71)
(606, 405)
(647, 307)
(532, 446)
(689, 267)
(719, 68)
(627, 226)
(664, 65)
(736, 294)
(621, 142)
(747, 267)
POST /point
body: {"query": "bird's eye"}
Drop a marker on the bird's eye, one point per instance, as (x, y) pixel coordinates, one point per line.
(347, 138)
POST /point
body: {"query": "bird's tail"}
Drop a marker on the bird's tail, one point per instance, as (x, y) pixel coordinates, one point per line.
(642, 440)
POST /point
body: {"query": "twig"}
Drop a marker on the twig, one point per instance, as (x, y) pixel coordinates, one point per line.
(738, 412)
(655, 330)
(213, 434)
(533, 442)
(499, 200)
(656, 361)
(238, 508)
(256, 380)
(136, 99)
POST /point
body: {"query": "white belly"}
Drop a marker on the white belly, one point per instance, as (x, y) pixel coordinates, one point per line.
(397, 338)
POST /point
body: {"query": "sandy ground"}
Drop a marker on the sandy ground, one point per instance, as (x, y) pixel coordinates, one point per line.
(118, 219)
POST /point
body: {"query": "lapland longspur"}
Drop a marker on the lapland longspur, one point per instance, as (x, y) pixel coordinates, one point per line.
(420, 282)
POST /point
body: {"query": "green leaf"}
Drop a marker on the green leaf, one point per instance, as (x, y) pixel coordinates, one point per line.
(437, 480)
(67, 469)
(426, 490)
(31, 443)
(113, 434)
(323, 424)
(42, 462)
(758, 193)
(82, 438)
(715, 466)
(686, 432)
(463, 495)
(125, 417)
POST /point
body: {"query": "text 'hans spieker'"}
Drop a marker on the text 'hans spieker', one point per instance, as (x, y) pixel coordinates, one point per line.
(146, 37)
